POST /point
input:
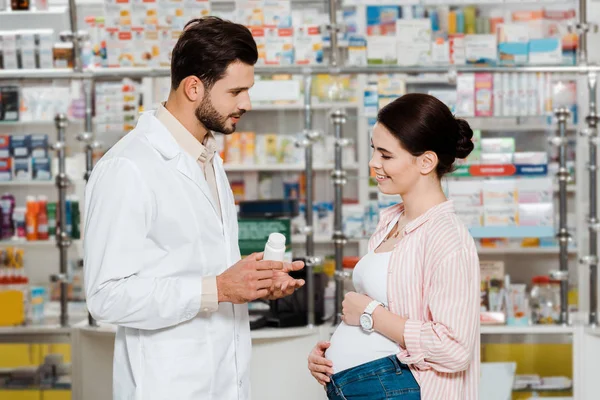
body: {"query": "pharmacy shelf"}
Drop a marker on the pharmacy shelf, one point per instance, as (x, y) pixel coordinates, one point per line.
(322, 239)
(526, 330)
(48, 333)
(33, 12)
(514, 250)
(27, 183)
(35, 243)
(44, 123)
(281, 167)
(300, 107)
(481, 232)
(117, 73)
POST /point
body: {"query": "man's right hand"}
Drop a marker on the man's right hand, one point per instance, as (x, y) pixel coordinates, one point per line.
(247, 280)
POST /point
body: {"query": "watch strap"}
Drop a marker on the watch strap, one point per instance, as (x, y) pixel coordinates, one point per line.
(372, 306)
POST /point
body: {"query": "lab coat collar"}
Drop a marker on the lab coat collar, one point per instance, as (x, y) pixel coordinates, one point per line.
(158, 135)
(162, 140)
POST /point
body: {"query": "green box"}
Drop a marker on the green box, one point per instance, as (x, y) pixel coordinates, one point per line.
(254, 233)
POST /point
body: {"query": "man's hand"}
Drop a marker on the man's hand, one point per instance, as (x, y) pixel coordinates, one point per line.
(247, 280)
(283, 284)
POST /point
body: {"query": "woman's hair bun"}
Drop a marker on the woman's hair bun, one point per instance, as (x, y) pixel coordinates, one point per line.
(465, 145)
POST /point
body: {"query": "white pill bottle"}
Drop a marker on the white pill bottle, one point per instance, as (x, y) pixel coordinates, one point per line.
(275, 247)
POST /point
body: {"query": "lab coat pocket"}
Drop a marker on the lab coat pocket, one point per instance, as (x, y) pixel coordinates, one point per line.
(177, 369)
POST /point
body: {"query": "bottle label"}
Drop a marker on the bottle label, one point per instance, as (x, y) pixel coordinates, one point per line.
(43, 228)
(30, 229)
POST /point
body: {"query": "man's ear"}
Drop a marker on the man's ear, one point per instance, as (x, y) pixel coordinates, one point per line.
(193, 88)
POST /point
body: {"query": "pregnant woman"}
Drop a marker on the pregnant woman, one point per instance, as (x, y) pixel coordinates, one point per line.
(411, 331)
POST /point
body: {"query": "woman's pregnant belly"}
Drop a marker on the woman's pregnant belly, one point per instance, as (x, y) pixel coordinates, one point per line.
(351, 347)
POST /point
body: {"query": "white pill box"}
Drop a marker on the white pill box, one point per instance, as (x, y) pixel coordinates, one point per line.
(496, 158)
(499, 192)
(465, 193)
(530, 158)
(536, 214)
(498, 145)
(471, 216)
(501, 215)
(535, 190)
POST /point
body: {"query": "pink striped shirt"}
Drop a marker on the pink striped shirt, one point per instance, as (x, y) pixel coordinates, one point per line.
(434, 282)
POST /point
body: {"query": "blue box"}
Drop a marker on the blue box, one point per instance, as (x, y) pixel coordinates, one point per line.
(20, 145)
(39, 146)
(41, 168)
(22, 168)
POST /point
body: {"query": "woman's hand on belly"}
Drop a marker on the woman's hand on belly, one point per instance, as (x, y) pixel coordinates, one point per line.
(353, 307)
(320, 367)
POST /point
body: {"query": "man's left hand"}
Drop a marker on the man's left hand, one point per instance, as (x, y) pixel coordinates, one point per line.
(283, 284)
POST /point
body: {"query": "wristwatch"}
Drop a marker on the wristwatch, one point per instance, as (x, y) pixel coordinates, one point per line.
(366, 319)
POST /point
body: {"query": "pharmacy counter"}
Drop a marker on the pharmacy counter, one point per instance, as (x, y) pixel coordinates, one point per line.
(272, 377)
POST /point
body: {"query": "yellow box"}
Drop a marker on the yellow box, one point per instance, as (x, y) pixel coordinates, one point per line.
(20, 395)
(56, 395)
(17, 355)
(13, 312)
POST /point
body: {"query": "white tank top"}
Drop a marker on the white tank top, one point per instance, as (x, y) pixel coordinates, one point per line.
(350, 345)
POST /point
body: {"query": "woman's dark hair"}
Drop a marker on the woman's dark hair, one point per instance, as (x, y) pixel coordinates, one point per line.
(206, 48)
(423, 123)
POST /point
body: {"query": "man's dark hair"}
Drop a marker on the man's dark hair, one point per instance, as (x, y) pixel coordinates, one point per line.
(207, 47)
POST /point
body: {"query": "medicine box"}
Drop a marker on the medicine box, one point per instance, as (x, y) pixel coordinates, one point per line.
(530, 158)
(498, 145)
(5, 169)
(484, 87)
(39, 146)
(41, 169)
(513, 44)
(535, 190)
(499, 192)
(20, 146)
(22, 168)
(496, 158)
(481, 49)
(465, 193)
(45, 45)
(500, 215)
(4, 146)
(536, 214)
(471, 216)
(9, 103)
(8, 45)
(547, 51)
(26, 42)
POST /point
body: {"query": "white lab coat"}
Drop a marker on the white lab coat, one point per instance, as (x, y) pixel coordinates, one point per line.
(151, 234)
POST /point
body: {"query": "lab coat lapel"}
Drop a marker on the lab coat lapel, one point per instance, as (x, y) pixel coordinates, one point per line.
(165, 144)
(223, 188)
(189, 167)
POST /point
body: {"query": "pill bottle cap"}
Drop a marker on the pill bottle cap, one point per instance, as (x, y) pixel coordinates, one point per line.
(277, 240)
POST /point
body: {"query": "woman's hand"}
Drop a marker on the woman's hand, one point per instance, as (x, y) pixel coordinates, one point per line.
(353, 307)
(318, 365)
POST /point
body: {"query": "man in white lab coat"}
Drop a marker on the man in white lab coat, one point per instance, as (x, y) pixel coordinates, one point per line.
(161, 255)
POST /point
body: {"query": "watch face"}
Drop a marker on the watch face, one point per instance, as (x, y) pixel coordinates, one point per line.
(366, 321)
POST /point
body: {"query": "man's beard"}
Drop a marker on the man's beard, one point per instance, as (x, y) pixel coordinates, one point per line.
(212, 120)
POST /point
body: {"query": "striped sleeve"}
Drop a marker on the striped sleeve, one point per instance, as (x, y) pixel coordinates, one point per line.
(447, 342)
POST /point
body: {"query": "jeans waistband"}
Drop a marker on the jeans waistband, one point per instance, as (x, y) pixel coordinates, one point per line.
(376, 366)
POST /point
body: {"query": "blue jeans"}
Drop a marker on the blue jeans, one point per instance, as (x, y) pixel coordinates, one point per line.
(383, 379)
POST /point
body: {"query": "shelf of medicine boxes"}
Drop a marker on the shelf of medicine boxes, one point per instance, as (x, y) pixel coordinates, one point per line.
(67, 73)
(35, 243)
(281, 167)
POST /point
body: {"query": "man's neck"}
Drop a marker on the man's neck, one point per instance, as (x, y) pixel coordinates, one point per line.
(187, 118)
